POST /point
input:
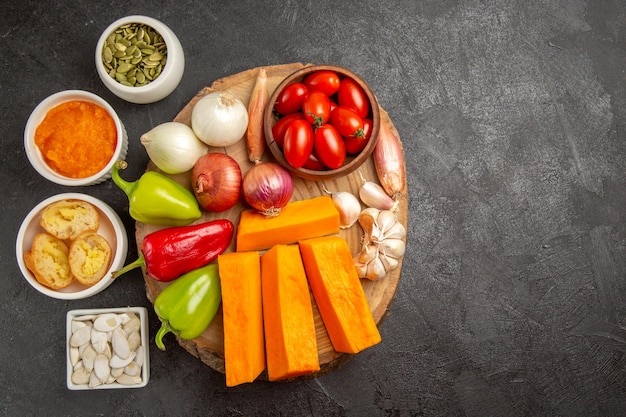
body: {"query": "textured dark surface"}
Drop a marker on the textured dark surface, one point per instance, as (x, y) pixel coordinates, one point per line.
(512, 114)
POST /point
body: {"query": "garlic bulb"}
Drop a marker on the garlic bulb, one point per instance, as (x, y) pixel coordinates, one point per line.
(173, 147)
(219, 119)
(348, 207)
(383, 244)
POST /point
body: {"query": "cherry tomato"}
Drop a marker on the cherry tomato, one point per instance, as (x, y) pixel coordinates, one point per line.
(314, 163)
(350, 94)
(279, 128)
(347, 122)
(329, 146)
(316, 108)
(356, 145)
(325, 81)
(298, 143)
(290, 99)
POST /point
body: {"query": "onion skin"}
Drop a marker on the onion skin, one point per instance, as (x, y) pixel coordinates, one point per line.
(216, 181)
(267, 187)
(389, 162)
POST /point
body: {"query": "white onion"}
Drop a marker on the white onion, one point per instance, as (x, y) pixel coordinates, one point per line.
(173, 147)
(219, 119)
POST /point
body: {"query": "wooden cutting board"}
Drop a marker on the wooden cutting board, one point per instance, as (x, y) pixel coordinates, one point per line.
(209, 347)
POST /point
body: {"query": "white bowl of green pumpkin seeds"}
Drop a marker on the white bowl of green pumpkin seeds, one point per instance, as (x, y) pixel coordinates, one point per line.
(140, 59)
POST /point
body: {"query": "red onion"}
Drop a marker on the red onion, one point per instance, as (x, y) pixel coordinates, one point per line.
(216, 181)
(268, 188)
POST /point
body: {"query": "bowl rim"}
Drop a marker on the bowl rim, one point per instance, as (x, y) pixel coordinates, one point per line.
(37, 116)
(356, 160)
(121, 250)
(175, 55)
(142, 312)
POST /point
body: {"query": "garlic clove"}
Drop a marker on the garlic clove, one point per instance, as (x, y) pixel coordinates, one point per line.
(367, 218)
(390, 263)
(397, 231)
(392, 247)
(369, 252)
(347, 205)
(373, 195)
(375, 270)
(386, 219)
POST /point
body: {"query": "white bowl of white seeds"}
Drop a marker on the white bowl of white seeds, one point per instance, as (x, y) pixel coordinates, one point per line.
(107, 348)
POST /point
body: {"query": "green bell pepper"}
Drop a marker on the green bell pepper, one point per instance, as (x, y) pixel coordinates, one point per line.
(157, 199)
(187, 306)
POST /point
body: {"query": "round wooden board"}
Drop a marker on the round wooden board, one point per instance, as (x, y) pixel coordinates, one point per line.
(209, 347)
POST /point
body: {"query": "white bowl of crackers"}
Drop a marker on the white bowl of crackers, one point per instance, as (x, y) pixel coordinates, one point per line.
(68, 245)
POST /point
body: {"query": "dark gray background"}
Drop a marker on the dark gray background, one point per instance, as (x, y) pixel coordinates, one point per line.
(512, 115)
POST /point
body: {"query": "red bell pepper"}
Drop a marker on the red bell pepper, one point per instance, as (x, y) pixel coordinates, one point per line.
(169, 253)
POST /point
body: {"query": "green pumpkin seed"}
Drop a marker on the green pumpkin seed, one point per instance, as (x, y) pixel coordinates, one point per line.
(107, 55)
(134, 54)
(124, 68)
(157, 56)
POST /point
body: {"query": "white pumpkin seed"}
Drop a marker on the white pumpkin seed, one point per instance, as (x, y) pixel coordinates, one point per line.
(120, 344)
(80, 376)
(74, 356)
(107, 322)
(81, 336)
(88, 357)
(117, 362)
(77, 324)
(133, 325)
(99, 340)
(139, 358)
(93, 380)
(101, 367)
(134, 340)
(132, 369)
(125, 379)
(115, 372)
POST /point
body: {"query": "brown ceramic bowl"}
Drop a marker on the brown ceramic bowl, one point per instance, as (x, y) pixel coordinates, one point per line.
(352, 161)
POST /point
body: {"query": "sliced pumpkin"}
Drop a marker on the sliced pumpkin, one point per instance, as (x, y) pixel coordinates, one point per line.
(244, 340)
(298, 220)
(290, 339)
(339, 294)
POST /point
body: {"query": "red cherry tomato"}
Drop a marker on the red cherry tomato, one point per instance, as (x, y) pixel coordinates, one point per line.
(314, 163)
(279, 128)
(350, 94)
(325, 81)
(333, 106)
(347, 122)
(298, 143)
(329, 146)
(356, 145)
(290, 99)
(316, 108)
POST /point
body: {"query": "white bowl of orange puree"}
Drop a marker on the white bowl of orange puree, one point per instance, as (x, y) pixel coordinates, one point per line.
(74, 138)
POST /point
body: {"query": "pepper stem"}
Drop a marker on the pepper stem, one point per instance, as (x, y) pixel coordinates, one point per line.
(126, 186)
(136, 264)
(165, 329)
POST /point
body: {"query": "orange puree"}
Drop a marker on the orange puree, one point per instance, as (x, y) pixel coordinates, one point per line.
(77, 138)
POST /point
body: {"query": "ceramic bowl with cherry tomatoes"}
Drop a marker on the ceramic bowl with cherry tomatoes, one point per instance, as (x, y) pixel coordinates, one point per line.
(322, 122)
